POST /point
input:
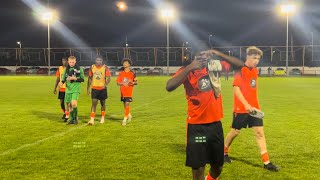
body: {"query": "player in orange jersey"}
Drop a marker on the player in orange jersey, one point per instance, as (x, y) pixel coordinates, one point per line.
(246, 105)
(126, 80)
(205, 140)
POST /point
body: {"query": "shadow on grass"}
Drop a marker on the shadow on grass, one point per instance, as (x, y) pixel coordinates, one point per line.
(86, 119)
(246, 162)
(57, 117)
(47, 115)
(113, 117)
(178, 148)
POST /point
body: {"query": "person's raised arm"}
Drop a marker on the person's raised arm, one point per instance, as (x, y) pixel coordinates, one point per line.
(230, 59)
(174, 82)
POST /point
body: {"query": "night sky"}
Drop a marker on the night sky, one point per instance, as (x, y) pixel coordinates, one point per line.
(99, 23)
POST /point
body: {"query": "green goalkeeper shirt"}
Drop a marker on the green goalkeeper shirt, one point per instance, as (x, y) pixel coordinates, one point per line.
(73, 86)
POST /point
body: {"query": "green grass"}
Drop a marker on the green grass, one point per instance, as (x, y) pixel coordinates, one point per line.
(36, 144)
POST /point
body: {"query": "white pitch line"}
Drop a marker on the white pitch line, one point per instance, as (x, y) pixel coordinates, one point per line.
(70, 130)
(40, 141)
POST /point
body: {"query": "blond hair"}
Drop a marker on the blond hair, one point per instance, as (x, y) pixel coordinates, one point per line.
(253, 50)
(72, 58)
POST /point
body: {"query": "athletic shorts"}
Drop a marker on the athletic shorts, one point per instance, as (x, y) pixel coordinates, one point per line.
(244, 120)
(99, 94)
(205, 145)
(126, 99)
(71, 96)
(61, 95)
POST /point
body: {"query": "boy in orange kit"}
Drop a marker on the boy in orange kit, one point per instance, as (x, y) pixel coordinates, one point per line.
(126, 80)
(246, 105)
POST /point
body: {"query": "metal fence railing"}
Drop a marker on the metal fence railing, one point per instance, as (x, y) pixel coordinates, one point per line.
(153, 56)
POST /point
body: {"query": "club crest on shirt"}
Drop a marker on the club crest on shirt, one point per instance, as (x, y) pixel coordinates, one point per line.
(253, 83)
(97, 75)
(125, 80)
(204, 83)
(73, 72)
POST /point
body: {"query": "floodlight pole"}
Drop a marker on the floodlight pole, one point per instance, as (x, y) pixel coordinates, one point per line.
(312, 46)
(167, 19)
(287, 45)
(48, 47)
(19, 52)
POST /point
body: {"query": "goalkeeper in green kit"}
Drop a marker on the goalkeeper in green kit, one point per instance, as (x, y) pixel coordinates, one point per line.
(73, 76)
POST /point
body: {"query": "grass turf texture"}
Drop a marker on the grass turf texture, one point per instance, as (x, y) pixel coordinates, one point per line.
(36, 144)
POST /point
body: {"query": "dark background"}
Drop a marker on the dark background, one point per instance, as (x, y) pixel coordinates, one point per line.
(98, 23)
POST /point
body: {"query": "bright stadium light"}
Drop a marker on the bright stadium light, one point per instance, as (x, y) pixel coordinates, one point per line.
(19, 43)
(47, 16)
(167, 13)
(122, 6)
(288, 9)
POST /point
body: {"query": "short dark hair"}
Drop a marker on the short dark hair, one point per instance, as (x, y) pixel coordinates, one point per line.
(98, 56)
(126, 59)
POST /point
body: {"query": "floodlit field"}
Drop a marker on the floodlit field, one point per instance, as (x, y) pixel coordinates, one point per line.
(36, 144)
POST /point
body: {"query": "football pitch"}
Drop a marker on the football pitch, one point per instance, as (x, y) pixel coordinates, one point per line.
(36, 144)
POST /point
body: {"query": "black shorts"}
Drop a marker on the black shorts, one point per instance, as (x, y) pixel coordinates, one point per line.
(205, 145)
(126, 99)
(99, 94)
(244, 120)
(61, 95)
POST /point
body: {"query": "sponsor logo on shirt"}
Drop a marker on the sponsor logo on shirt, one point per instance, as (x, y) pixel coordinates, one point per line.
(253, 83)
(204, 84)
(97, 75)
